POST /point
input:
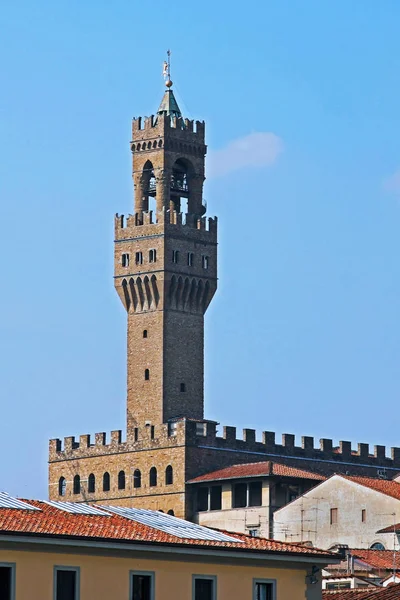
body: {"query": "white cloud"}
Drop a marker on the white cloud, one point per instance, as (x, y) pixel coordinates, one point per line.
(392, 183)
(258, 149)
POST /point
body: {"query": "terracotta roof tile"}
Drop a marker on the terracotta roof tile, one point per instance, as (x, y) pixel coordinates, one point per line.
(51, 521)
(391, 592)
(385, 486)
(379, 559)
(257, 469)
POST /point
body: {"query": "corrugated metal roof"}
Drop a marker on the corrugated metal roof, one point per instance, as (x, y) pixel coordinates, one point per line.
(76, 508)
(7, 501)
(169, 524)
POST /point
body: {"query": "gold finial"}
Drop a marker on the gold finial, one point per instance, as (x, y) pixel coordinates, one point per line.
(167, 70)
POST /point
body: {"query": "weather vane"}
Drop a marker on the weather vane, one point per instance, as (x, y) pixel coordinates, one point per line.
(167, 70)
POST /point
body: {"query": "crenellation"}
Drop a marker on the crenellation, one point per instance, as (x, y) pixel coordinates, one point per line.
(229, 434)
(84, 441)
(116, 437)
(345, 450)
(380, 452)
(249, 436)
(288, 441)
(189, 125)
(395, 455)
(326, 446)
(100, 438)
(307, 443)
(363, 451)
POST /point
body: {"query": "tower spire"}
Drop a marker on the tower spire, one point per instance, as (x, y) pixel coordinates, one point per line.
(169, 105)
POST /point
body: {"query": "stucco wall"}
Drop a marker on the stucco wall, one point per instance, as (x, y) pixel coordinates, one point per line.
(105, 577)
(308, 517)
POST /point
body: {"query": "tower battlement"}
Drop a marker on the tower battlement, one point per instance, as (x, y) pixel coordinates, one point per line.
(160, 124)
(204, 229)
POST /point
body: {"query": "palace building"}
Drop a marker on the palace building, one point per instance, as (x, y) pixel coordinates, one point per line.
(166, 277)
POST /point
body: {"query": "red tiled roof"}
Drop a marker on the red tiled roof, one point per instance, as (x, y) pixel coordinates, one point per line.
(387, 487)
(391, 592)
(379, 559)
(256, 470)
(51, 521)
(390, 529)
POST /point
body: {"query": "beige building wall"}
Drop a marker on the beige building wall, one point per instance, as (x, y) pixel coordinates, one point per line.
(308, 518)
(107, 577)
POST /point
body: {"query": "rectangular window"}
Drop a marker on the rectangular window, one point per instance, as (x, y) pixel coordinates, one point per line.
(125, 260)
(190, 259)
(136, 433)
(66, 583)
(139, 258)
(239, 495)
(152, 255)
(216, 497)
(334, 515)
(202, 499)
(200, 429)
(7, 581)
(142, 585)
(205, 261)
(172, 428)
(364, 515)
(175, 256)
(264, 590)
(255, 493)
(152, 432)
(204, 587)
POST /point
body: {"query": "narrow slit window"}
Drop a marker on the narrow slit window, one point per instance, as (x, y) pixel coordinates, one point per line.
(334, 516)
(152, 255)
(139, 258)
(190, 259)
(175, 256)
(91, 483)
(205, 261)
(125, 260)
(77, 485)
(146, 375)
(145, 333)
(364, 515)
(183, 387)
(136, 433)
(152, 432)
(106, 482)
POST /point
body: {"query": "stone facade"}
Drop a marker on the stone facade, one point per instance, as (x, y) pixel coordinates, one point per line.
(166, 276)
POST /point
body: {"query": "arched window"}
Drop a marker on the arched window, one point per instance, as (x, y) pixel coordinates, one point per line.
(91, 483)
(146, 374)
(377, 546)
(77, 485)
(137, 478)
(62, 486)
(106, 482)
(152, 255)
(171, 512)
(169, 475)
(145, 333)
(153, 477)
(121, 480)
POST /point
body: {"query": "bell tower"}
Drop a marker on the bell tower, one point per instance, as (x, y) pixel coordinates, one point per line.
(166, 268)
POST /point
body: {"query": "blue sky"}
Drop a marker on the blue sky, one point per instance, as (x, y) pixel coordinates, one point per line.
(303, 335)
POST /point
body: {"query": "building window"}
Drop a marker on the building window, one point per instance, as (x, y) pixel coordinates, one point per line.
(145, 333)
(172, 428)
(204, 587)
(253, 532)
(125, 260)
(264, 590)
(142, 585)
(153, 477)
(121, 480)
(7, 581)
(216, 497)
(169, 475)
(175, 256)
(255, 493)
(171, 512)
(152, 432)
(377, 546)
(334, 516)
(136, 433)
(190, 259)
(66, 583)
(62, 486)
(139, 258)
(202, 499)
(106, 482)
(200, 429)
(91, 483)
(364, 515)
(137, 478)
(239, 495)
(152, 255)
(205, 261)
(183, 387)
(146, 374)
(77, 485)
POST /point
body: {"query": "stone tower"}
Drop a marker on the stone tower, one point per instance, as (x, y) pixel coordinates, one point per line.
(166, 268)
